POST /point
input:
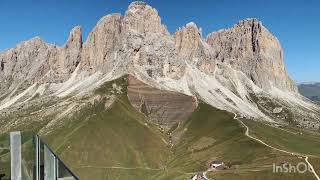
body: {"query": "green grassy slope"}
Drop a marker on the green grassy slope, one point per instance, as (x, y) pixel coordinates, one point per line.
(120, 143)
(287, 138)
(106, 143)
(214, 134)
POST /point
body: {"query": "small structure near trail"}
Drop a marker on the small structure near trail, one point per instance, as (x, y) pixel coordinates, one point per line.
(217, 165)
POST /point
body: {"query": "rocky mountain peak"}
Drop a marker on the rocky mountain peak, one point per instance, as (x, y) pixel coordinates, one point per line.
(36, 41)
(249, 22)
(189, 45)
(249, 47)
(143, 19)
(69, 56)
(75, 38)
(187, 40)
(101, 44)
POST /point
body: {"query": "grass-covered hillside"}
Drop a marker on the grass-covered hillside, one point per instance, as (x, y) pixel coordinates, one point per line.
(119, 142)
(212, 134)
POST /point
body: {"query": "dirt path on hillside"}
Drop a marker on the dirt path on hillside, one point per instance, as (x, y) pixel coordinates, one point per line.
(120, 167)
(277, 149)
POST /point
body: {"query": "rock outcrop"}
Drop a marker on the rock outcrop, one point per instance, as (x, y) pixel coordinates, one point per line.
(191, 47)
(35, 61)
(102, 45)
(27, 63)
(249, 47)
(70, 55)
(143, 19)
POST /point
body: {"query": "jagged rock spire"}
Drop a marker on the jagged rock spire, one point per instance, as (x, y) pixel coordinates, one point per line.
(75, 38)
(142, 18)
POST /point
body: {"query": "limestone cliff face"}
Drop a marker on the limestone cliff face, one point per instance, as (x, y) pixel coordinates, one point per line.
(34, 61)
(143, 19)
(152, 47)
(99, 51)
(27, 63)
(252, 49)
(70, 54)
(191, 47)
(137, 39)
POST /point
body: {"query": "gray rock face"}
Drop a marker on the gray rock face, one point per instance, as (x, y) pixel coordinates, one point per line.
(27, 63)
(100, 49)
(143, 19)
(34, 61)
(252, 49)
(151, 46)
(191, 47)
(70, 54)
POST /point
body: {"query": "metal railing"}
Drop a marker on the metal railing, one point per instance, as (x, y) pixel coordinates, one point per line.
(23, 156)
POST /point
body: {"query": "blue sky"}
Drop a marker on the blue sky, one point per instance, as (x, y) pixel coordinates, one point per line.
(295, 23)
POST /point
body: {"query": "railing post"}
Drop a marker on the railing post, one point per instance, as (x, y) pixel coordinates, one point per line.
(37, 157)
(15, 153)
(56, 170)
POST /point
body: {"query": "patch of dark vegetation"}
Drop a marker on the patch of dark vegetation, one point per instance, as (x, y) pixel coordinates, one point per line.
(144, 109)
(149, 72)
(2, 65)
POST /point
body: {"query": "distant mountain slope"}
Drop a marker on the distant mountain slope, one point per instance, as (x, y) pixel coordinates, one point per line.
(310, 90)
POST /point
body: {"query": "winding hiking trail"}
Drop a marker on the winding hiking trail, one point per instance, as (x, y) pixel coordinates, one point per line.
(277, 149)
(311, 167)
(120, 167)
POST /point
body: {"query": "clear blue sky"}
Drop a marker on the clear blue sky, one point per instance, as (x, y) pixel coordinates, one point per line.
(295, 23)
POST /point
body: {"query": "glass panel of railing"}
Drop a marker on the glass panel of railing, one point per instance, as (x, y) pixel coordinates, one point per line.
(28, 156)
(49, 164)
(23, 156)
